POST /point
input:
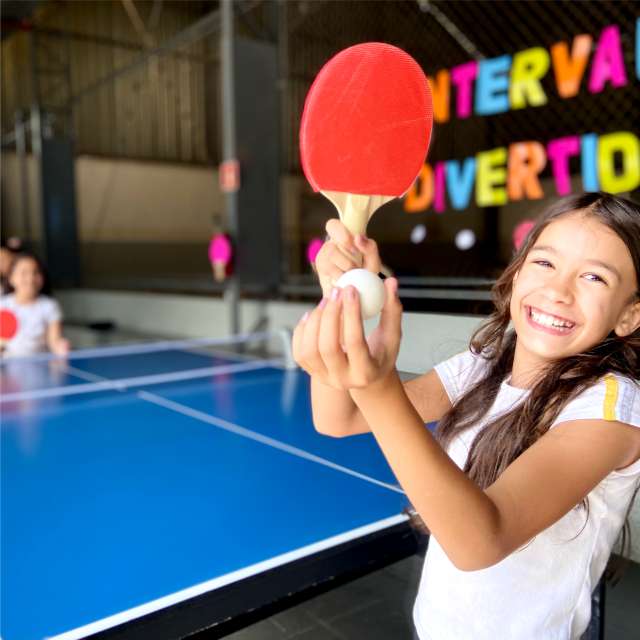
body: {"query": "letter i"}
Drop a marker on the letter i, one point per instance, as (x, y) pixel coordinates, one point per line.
(589, 148)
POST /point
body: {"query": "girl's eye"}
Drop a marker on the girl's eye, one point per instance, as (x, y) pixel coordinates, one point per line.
(592, 277)
(596, 278)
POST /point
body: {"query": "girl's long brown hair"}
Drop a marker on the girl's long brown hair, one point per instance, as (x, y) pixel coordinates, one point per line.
(501, 441)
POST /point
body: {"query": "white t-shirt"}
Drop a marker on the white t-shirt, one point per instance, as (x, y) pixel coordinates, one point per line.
(33, 320)
(542, 591)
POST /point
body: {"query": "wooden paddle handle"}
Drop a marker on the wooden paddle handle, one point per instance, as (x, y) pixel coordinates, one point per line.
(219, 270)
(355, 211)
(358, 257)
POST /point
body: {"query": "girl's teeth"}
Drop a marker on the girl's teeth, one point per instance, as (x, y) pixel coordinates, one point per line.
(549, 321)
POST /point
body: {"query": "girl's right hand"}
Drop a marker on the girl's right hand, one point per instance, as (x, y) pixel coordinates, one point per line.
(343, 252)
(61, 347)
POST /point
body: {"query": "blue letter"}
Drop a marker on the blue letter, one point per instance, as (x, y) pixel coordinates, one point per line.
(492, 86)
(589, 160)
(460, 179)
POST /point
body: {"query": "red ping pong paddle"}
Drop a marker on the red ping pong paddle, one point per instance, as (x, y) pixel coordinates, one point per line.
(220, 253)
(365, 129)
(8, 324)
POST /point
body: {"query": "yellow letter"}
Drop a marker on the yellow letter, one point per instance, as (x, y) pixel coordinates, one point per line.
(490, 177)
(628, 146)
(528, 67)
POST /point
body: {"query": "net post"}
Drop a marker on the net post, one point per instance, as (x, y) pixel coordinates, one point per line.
(286, 335)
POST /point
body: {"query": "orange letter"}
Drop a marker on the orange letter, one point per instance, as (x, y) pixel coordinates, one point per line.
(570, 69)
(420, 196)
(526, 161)
(440, 91)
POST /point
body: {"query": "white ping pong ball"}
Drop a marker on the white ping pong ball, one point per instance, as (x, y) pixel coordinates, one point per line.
(370, 288)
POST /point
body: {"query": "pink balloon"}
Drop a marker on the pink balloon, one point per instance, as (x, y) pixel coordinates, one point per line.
(521, 231)
(313, 248)
(220, 249)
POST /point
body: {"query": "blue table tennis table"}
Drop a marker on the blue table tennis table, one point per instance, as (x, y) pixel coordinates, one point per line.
(155, 491)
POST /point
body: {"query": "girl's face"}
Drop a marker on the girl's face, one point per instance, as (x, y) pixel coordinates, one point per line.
(574, 287)
(26, 278)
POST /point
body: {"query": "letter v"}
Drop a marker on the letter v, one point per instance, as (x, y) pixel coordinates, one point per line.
(569, 69)
(460, 179)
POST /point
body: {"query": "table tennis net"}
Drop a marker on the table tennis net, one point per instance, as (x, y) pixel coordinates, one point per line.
(122, 367)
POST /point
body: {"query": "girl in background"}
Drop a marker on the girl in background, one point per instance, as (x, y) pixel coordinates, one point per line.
(39, 316)
(536, 458)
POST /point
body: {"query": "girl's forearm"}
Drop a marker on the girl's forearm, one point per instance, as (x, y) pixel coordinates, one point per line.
(334, 411)
(458, 513)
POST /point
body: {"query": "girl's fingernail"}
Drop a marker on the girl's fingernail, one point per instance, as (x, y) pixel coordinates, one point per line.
(323, 303)
(351, 293)
(304, 317)
(335, 293)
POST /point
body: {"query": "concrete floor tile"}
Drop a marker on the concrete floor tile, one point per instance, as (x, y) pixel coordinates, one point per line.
(319, 633)
(376, 623)
(294, 620)
(264, 630)
(619, 633)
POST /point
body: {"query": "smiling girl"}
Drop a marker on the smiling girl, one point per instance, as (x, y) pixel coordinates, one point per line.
(39, 316)
(536, 458)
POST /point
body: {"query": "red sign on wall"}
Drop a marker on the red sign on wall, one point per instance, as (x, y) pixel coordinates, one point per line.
(229, 176)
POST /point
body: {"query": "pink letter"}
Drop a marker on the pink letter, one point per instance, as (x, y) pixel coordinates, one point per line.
(608, 63)
(558, 152)
(463, 76)
(439, 204)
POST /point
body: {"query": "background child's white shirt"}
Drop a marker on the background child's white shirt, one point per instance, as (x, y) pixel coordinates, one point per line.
(543, 590)
(33, 321)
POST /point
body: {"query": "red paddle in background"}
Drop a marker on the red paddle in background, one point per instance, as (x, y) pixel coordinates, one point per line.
(220, 254)
(365, 129)
(313, 248)
(8, 326)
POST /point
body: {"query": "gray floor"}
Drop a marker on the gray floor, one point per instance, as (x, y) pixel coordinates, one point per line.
(377, 606)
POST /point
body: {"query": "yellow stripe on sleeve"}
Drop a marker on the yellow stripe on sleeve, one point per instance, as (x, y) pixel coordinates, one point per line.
(610, 397)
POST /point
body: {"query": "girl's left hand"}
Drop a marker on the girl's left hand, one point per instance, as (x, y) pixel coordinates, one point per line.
(329, 342)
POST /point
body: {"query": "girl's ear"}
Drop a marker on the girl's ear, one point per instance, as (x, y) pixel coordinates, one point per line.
(629, 321)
